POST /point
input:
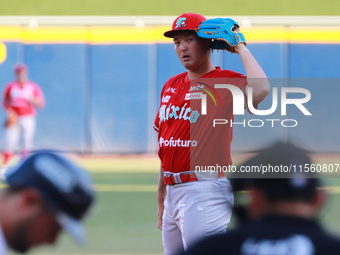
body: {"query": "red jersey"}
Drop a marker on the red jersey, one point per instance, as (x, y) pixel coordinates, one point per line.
(17, 97)
(186, 137)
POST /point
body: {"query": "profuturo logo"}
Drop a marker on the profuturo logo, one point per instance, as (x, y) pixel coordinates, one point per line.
(177, 143)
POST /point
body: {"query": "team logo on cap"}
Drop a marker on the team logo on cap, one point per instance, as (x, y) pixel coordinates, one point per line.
(181, 22)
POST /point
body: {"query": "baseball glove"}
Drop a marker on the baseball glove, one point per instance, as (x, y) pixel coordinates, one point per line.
(223, 33)
(11, 119)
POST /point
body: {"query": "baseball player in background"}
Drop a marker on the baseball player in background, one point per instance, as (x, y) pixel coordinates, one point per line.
(190, 205)
(20, 100)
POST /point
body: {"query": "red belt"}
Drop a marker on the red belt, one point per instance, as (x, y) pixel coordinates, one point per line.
(172, 179)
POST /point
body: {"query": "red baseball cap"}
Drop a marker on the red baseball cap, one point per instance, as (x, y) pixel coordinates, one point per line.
(186, 21)
(20, 68)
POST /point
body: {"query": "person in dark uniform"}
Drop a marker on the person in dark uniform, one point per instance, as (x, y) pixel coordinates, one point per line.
(281, 217)
(44, 195)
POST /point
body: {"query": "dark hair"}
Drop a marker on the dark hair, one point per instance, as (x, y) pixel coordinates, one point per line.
(13, 190)
(281, 186)
(277, 190)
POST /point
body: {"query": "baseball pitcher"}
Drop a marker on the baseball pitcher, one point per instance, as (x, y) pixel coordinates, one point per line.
(192, 204)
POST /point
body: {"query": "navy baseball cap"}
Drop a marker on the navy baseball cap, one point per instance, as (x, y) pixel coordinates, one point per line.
(291, 184)
(66, 189)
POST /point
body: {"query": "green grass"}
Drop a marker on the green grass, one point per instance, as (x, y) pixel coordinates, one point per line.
(167, 7)
(124, 222)
(121, 222)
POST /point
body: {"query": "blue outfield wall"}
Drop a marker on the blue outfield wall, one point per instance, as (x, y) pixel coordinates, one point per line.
(103, 98)
(119, 98)
(61, 72)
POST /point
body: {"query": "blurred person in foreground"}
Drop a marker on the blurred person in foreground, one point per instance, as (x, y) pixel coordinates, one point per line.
(282, 212)
(46, 193)
(21, 98)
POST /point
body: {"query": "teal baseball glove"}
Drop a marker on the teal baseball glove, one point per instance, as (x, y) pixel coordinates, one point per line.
(223, 33)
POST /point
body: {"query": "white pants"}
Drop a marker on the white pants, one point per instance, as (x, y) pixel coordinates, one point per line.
(25, 128)
(195, 210)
